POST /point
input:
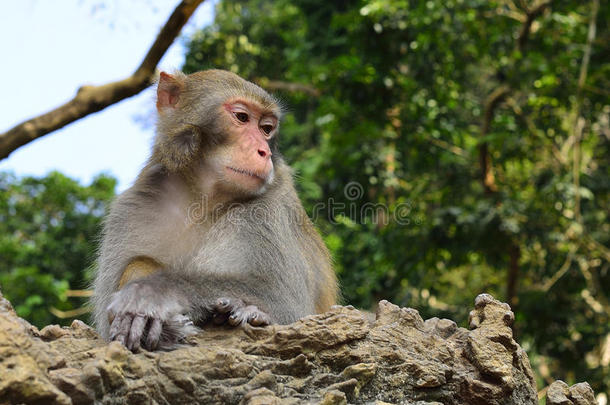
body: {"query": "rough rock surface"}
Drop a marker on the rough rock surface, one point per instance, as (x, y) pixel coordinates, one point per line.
(578, 394)
(334, 358)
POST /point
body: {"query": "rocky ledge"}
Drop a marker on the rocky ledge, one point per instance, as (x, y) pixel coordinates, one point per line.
(338, 357)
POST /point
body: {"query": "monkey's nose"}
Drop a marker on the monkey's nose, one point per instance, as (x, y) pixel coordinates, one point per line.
(264, 153)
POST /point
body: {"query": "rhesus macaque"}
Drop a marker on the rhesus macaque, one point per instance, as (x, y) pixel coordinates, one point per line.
(212, 230)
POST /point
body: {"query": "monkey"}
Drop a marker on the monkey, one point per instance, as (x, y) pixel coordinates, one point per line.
(212, 230)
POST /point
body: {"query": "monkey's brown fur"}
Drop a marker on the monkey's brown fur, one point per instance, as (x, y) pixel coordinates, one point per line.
(185, 243)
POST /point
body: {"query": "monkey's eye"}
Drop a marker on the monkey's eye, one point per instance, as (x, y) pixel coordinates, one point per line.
(267, 128)
(242, 116)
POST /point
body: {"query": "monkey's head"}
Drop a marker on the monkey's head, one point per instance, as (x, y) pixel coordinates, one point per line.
(218, 122)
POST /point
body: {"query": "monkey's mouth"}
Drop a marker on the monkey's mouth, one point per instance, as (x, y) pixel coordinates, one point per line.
(246, 173)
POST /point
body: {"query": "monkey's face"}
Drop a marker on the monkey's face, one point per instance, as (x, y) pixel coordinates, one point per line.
(244, 163)
(221, 123)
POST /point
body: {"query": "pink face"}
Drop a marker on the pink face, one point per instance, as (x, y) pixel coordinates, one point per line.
(251, 128)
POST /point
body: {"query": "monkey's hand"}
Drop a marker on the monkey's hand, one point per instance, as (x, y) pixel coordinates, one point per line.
(235, 312)
(141, 314)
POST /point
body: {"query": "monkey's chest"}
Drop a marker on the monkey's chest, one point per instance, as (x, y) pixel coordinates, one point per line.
(173, 237)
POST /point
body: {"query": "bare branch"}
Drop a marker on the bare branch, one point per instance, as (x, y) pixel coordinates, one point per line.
(584, 67)
(512, 6)
(532, 14)
(594, 295)
(456, 150)
(507, 13)
(498, 95)
(71, 313)
(594, 245)
(493, 100)
(90, 99)
(510, 10)
(597, 90)
(577, 120)
(546, 286)
(79, 293)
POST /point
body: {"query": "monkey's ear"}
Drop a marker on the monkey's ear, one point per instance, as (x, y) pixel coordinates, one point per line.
(168, 91)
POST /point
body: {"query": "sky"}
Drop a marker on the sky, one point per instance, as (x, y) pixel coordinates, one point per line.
(51, 48)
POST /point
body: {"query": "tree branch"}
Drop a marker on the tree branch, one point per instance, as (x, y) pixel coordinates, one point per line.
(456, 150)
(550, 282)
(531, 15)
(90, 99)
(498, 95)
(578, 121)
(491, 103)
(493, 100)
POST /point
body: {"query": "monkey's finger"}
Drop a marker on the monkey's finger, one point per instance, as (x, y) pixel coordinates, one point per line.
(254, 316)
(235, 319)
(122, 329)
(248, 314)
(259, 318)
(225, 305)
(154, 334)
(222, 305)
(114, 326)
(135, 332)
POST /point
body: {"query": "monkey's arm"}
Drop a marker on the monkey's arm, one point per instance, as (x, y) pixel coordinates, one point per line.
(138, 268)
(159, 310)
(149, 312)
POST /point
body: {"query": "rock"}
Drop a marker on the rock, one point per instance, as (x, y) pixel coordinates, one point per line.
(578, 394)
(25, 362)
(338, 357)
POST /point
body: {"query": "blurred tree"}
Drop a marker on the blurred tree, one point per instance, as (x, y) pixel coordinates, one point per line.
(48, 232)
(456, 148)
(445, 148)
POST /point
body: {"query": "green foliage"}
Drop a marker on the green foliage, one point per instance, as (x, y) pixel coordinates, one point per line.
(403, 87)
(48, 232)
